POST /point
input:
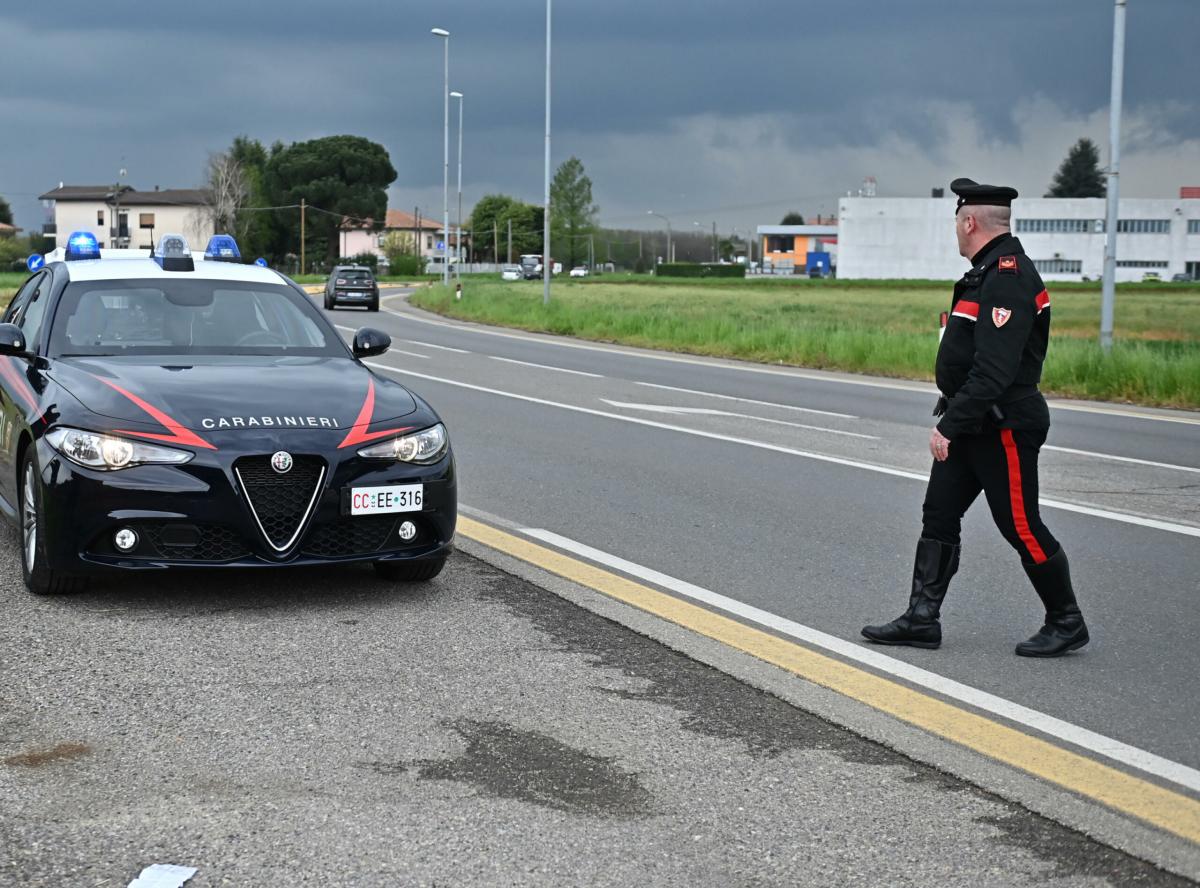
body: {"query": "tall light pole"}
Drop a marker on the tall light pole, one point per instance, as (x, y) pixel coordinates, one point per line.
(668, 221)
(1108, 290)
(458, 225)
(445, 35)
(547, 260)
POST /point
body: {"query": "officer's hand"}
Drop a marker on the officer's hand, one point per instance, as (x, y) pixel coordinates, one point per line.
(939, 445)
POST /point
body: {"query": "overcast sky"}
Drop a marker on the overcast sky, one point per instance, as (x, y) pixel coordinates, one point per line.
(702, 110)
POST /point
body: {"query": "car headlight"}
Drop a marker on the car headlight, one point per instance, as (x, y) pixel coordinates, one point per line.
(420, 447)
(107, 453)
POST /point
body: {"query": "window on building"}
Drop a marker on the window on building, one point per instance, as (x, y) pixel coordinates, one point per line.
(1057, 226)
(100, 217)
(1144, 226)
(1142, 263)
(429, 241)
(1193, 226)
(1058, 266)
(1193, 270)
(781, 243)
(145, 220)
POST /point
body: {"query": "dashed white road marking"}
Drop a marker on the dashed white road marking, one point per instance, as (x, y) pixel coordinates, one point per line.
(545, 367)
(1123, 517)
(1125, 459)
(461, 351)
(709, 411)
(671, 388)
(1047, 724)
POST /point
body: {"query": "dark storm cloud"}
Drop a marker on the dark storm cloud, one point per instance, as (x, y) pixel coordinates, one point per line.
(687, 105)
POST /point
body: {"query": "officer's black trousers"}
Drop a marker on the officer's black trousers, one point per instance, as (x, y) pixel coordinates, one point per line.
(1003, 464)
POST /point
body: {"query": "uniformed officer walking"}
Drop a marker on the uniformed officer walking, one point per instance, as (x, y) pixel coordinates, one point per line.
(993, 423)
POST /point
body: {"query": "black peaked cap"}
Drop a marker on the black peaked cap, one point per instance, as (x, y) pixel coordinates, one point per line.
(971, 192)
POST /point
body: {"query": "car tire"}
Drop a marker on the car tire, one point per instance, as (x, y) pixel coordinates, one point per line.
(410, 571)
(374, 306)
(39, 578)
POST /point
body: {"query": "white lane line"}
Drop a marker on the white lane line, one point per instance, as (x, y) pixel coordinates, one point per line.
(461, 351)
(671, 388)
(544, 366)
(1124, 518)
(709, 411)
(859, 653)
(718, 364)
(1127, 459)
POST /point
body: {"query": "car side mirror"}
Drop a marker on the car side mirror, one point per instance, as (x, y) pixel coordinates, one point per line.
(12, 340)
(368, 342)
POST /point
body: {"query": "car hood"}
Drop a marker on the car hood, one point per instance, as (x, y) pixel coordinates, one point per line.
(222, 393)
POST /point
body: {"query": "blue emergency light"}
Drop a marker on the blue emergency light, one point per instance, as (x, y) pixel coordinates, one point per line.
(222, 248)
(82, 245)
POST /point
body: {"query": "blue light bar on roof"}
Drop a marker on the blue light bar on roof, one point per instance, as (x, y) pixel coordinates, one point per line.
(173, 253)
(223, 248)
(82, 245)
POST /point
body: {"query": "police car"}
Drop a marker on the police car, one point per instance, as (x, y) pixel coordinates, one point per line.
(187, 410)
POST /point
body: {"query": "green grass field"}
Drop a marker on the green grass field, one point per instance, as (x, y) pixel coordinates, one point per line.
(885, 328)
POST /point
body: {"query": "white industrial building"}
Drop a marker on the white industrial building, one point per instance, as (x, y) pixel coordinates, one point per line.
(903, 237)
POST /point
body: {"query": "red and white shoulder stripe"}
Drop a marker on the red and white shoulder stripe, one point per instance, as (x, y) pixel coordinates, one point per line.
(965, 309)
(1042, 301)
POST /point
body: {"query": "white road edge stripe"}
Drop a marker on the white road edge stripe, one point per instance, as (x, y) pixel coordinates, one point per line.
(1123, 517)
(718, 364)
(671, 388)
(1015, 712)
(545, 367)
(709, 411)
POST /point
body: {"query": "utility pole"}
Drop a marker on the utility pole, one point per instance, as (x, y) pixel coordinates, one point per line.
(1108, 290)
(510, 241)
(302, 207)
(547, 260)
(458, 224)
(714, 259)
(417, 233)
(496, 241)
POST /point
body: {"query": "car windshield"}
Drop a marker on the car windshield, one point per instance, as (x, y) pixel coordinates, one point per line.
(354, 276)
(188, 317)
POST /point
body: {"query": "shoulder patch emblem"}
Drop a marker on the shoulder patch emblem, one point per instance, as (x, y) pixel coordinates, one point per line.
(1008, 264)
(1000, 316)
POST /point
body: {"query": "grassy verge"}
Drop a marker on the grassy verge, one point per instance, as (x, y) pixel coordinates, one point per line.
(879, 328)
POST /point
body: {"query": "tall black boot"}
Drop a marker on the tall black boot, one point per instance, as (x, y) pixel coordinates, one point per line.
(935, 564)
(1064, 629)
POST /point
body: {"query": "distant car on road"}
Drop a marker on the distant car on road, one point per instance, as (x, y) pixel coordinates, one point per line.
(511, 273)
(1151, 276)
(579, 271)
(1181, 278)
(352, 285)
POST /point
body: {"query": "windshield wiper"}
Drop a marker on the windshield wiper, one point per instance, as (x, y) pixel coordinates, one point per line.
(87, 355)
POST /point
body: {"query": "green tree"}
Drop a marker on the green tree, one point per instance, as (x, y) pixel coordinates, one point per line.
(338, 176)
(792, 218)
(572, 213)
(5, 212)
(491, 217)
(259, 232)
(1079, 175)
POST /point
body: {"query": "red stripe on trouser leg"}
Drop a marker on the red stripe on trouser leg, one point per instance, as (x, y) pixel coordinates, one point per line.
(1017, 498)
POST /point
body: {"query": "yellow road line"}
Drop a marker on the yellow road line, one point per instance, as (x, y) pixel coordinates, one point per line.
(1171, 811)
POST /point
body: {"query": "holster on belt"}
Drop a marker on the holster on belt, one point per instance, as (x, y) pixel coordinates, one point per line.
(940, 407)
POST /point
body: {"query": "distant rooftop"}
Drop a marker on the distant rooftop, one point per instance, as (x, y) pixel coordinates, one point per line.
(179, 197)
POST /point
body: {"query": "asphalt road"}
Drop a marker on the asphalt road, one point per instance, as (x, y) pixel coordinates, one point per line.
(330, 729)
(713, 473)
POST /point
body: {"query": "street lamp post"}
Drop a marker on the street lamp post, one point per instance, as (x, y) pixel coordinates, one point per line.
(668, 221)
(458, 224)
(1108, 286)
(445, 35)
(547, 260)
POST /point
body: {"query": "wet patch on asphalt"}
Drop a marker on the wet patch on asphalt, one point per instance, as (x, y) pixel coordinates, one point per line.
(36, 758)
(507, 762)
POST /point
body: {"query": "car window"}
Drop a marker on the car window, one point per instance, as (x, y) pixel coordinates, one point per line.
(32, 313)
(355, 275)
(13, 314)
(188, 317)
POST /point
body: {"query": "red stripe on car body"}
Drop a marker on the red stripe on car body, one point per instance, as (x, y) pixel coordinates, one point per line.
(178, 434)
(358, 433)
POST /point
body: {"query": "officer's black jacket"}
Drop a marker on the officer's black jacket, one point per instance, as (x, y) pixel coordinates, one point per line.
(994, 344)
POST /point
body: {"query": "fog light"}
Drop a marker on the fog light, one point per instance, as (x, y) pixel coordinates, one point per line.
(408, 530)
(125, 539)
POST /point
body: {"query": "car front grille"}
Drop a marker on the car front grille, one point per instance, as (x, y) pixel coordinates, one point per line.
(350, 535)
(281, 503)
(194, 542)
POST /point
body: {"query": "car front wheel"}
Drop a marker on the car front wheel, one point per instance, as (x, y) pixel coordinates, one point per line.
(39, 578)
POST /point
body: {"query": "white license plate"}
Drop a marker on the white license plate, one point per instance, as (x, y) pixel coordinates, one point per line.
(390, 498)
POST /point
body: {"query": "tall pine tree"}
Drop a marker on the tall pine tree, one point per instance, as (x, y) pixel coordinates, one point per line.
(572, 213)
(1080, 174)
